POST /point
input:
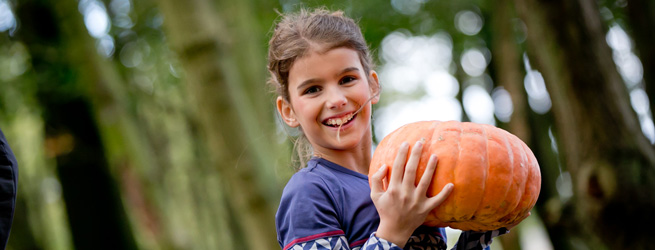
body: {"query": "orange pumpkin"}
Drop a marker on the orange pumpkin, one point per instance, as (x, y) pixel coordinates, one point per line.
(496, 176)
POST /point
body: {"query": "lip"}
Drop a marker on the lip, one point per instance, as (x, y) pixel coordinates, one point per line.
(340, 115)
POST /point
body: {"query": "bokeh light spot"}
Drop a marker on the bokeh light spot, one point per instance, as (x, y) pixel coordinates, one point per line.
(503, 107)
(478, 105)
(468, 22)
(473, 62)
(7, 19)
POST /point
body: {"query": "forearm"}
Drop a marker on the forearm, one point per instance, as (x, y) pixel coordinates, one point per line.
(393, 234)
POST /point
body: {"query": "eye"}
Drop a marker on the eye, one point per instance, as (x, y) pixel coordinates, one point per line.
(311, 90)
(347, 79)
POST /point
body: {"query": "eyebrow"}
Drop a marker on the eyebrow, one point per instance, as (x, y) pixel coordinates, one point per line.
(316, 80)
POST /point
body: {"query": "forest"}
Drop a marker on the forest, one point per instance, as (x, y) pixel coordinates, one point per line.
(150, 125)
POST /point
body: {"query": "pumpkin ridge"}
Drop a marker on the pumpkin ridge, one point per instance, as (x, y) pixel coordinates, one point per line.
(517, 211)
(486, 171)
(470, 171)
(530, 195)
(425, 158)
(457, 166)
(443, 212)
(489, 203)
(509, 216)
(486, 197)
(510, 155)
(499, 214)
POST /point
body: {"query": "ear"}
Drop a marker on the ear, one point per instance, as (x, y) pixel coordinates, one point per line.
(374, 86)
(286, 112)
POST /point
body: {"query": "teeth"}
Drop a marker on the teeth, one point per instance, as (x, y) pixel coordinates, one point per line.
(340, 121)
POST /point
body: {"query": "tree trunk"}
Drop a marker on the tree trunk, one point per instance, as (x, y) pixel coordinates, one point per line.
(204, 45)
(93, 203)
(506, 64)
(641, 16)
(610, 160)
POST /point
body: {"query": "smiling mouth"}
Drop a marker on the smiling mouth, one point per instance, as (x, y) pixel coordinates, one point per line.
(336, 122)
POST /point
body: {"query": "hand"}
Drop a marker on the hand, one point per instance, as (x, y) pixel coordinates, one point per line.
(404, 206)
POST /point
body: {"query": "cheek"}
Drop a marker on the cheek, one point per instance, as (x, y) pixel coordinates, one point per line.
(304, 110)
(364, 95)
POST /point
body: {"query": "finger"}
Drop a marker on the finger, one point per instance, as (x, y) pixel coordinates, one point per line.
(376, 180)
(410, 169)
(428, 174)
(399, 165)
(435, 201)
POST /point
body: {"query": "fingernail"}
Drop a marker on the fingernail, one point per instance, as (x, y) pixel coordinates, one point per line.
(433, 157)
(419, 143)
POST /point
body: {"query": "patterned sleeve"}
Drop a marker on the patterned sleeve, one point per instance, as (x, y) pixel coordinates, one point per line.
(375, 243)
(424, 237)
(341, 243)
(477, 240)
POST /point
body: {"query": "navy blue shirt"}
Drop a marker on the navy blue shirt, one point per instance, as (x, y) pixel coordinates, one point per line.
(325, 199)
(327, 206)
(8, 189)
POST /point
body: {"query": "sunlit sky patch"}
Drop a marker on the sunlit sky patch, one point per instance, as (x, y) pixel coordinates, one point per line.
(95, 18)
(423, 64)
(398, 113)
(407, 7)
(503, 107)
(121, 10)
(441, 84)
(632, 71)
(98, 24)
(7, 19)
(535, 87)
(468, 22)
(627, 62)
(474, 62)
(478, 105)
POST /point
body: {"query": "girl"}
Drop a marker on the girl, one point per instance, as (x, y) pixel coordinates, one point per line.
(322, 71)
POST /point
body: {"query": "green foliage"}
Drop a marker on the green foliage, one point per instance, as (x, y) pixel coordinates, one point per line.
(170, 194)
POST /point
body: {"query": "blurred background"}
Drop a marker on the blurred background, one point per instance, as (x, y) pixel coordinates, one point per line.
(149, 125)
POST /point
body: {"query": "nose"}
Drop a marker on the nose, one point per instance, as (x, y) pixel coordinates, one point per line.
(336, 98)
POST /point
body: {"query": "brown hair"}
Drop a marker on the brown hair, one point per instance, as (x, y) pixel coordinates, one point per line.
(295, 35)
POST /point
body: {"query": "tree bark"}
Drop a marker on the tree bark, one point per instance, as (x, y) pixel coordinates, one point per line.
(93, 203)
(610, 160)
(204, 45)
(641, 16)
(507, 65)
(506, 68)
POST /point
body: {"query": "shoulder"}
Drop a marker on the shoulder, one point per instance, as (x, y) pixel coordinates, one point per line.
(314, 180)
(308, 181)
(308, 209)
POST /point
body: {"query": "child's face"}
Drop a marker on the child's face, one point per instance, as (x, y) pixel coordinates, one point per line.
(325, 91)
